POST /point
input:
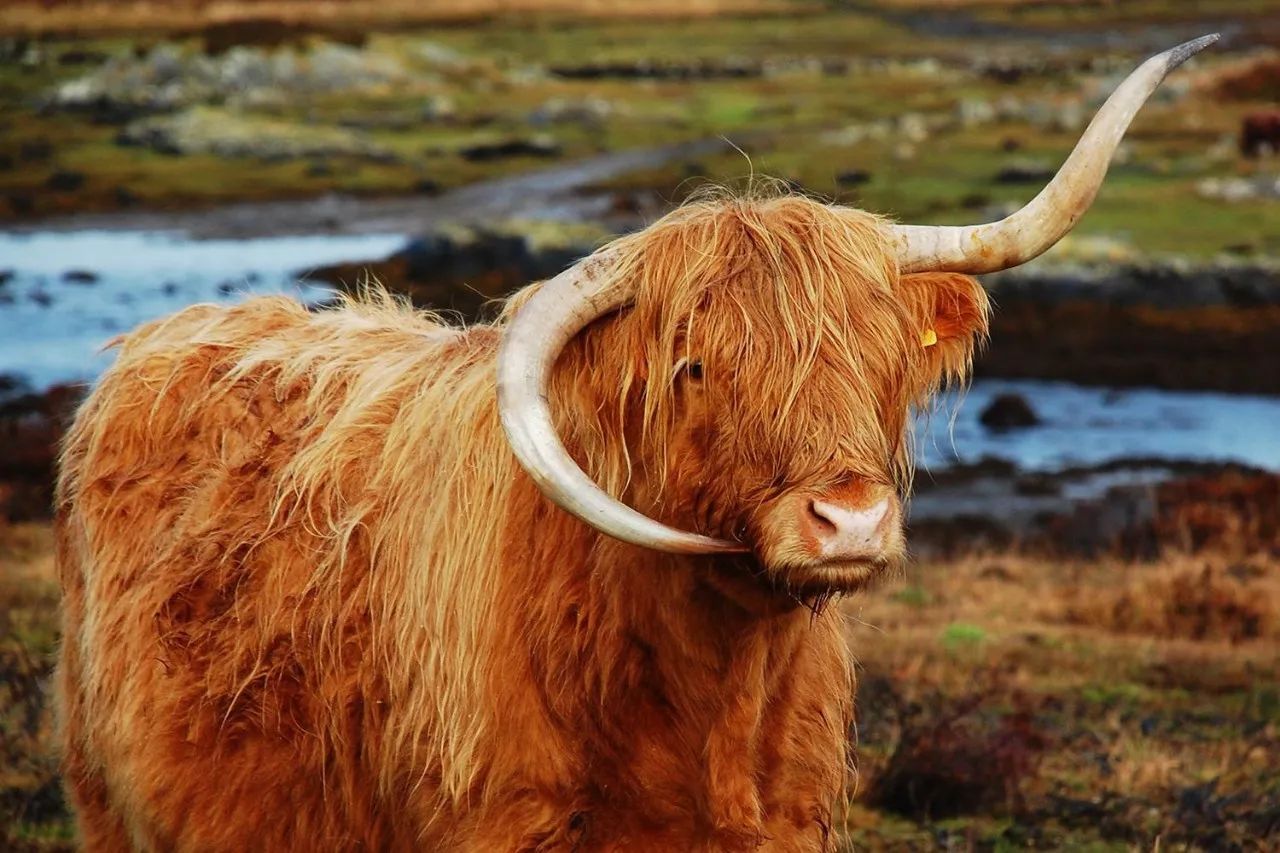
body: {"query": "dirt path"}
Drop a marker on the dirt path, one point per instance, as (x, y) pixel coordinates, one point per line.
(551, 193)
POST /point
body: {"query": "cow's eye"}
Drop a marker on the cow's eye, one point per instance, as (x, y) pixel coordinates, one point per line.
(694, 369)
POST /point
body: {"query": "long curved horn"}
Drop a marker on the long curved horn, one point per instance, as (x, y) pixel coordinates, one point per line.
(561, 308)
(1050, 215)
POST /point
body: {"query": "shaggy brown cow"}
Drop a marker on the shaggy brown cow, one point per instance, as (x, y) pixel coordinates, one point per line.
(322, 591)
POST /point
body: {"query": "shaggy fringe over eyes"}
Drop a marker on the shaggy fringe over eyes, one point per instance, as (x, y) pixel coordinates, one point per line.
(801, 296)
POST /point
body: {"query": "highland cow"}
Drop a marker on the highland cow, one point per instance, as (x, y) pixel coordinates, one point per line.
(358, 580)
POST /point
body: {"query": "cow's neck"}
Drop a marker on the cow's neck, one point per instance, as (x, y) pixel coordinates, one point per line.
(697, 650)
(682, 684)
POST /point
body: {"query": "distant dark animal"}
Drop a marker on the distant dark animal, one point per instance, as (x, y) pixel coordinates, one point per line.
(1260, 133)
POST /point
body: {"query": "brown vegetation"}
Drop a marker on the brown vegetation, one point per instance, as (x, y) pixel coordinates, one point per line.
(1235, 604)
(32, 810)
(997, 685)
(31, 426)
(91, 17)
(1099, 340)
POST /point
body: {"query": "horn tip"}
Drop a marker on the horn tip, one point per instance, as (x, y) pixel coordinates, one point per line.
(1185, 51)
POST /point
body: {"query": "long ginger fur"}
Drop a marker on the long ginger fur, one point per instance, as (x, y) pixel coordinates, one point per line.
(312, 602)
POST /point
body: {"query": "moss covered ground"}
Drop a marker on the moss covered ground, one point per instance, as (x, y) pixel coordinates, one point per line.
(830, 98)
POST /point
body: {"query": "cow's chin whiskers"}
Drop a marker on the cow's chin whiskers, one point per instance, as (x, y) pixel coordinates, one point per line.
(844, 576)
(800, 576)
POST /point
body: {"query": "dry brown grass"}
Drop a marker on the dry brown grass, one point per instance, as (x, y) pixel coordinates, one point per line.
(97, 17)
(1084, 700)
(32, 811)
(1234, 604)
(1002, 701)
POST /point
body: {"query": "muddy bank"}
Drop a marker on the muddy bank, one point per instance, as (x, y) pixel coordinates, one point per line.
(1166, 325)
(1131, 508)
(31, 427)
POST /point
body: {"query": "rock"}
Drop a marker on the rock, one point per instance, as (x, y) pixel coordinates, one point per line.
(65, 180)
(31, 426)
(170, 77)
(80, 277)
(12, 385)
(77, 56)
(6, 276)
(442, 57)
(35, 150)
(438, 108)
(729, 68)
(592, 111)
(536, 146)
(1235, 190)
(972, 112)
(426, 186)
(912, 127)
(1069, 117)
(125, 197)
(1025, 173)
(204, 130)
(853, 178)
(1009, 411)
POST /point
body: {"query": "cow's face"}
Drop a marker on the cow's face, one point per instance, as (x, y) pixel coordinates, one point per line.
(775, 357)
(764, 363)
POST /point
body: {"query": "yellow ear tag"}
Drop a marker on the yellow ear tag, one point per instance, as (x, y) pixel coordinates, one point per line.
(928, 338)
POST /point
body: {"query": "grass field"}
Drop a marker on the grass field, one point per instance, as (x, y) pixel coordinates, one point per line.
(848, 103)
(1004, 702)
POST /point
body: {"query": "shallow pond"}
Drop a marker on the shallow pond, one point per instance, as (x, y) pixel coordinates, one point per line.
(67, 293)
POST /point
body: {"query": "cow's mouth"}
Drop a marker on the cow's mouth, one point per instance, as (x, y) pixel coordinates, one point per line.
(842, 576)
(805, 583)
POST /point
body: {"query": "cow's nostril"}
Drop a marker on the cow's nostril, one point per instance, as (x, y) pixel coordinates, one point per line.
(822, 525)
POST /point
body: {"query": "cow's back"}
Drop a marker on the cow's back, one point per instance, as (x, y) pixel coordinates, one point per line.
(214, 517)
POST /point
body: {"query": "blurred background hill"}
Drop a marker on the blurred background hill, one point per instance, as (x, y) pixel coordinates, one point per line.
(1086, 651)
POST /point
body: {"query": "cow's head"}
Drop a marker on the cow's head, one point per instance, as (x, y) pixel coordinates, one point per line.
(746, 367)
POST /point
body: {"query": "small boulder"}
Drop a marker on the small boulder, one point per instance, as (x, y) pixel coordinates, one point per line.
(1025, 173)
(80, 277)
(65, 180)
(853, 178)
(1009, 411)
(536, 146)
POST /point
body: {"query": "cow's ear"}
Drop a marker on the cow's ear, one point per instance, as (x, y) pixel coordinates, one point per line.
(951, 310)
